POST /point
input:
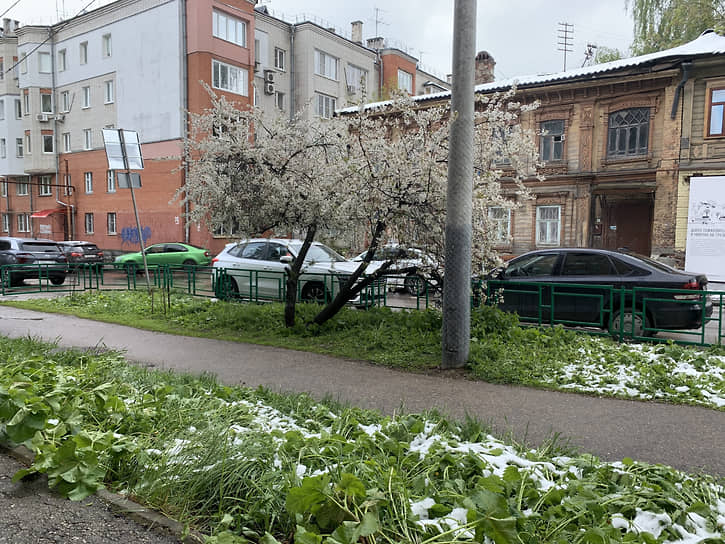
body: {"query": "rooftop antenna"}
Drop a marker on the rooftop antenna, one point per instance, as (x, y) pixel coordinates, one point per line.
(378, 20)
(589, 54)
(566, 36)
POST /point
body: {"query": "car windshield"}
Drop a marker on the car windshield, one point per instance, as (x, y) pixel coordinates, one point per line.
(656, 264)
(319, 253)
(40, 246)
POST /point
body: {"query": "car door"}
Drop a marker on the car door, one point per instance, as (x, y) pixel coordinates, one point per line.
(523, 285)
(272, 278)
(155, 254)
(174, 254)
(245, 264)
(583, 293)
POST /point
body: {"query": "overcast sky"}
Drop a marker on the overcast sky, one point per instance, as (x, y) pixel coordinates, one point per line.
(522, 35)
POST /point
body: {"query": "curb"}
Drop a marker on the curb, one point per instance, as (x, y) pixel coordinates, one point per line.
(120, 505)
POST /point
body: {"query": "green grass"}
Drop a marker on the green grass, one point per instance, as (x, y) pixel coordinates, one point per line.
(501, 350)
(243, 465)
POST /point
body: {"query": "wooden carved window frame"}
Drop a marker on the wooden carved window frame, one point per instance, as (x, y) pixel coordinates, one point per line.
(710, 86)
(625, 103)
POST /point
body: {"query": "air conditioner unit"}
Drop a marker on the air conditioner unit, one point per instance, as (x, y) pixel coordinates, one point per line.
(42, 117)
(60, 117)
(269, 76)
(268, 88)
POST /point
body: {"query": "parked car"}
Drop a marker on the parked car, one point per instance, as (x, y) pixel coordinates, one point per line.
(256, 268)
(411, 268)
(171, 254)
(32, 258)
(577, 288)
(80, 252)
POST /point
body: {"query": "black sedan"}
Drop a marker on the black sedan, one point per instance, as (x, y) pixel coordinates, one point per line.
(618, 290)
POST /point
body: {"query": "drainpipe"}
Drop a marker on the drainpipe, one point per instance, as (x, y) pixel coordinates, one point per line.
(686, 66)
(185, 115)
(292, 104)
(70, 211)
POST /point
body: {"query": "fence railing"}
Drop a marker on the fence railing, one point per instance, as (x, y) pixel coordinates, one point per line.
(679, 315)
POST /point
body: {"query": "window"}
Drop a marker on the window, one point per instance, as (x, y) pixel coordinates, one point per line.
(44, 64)
(279, 57)
(534, 265)
(4, 188)
(716, 126)
(106, 45)
(87, 138)
(23, 64)
(587, 264)
(551, 141)
(66, 142)
(86, 97)
(2, 69)
(23, 222)
(46, 103)
(65, 101)
(229, 78)
(18, 109)
(84, 52)
(110, 181)
(279, 100)
(26, 103)
(356, 79)
(89, 223)
(88, 179)
(111, 222)
(547, 225)
(325, 65)
(501, 219)
(44, 186)
(28, 147)
(21, 188)
(108, 91)
(231, 29)
(48, 143)
(405, 81)
(325, 105)
(2, 109)
(628, 133)
(68, 189)
(3, 149)
(62, 65)
(18, 147)
(6, 222)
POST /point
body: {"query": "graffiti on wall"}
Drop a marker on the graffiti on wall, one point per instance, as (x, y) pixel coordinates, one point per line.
(129, 235)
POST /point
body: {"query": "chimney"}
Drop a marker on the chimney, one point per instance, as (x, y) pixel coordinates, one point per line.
(356, 32)
(7, 27)
(484, 68)
(449, 79)
(376, 43)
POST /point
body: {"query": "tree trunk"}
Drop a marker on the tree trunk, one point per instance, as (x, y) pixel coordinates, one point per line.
(353, 287)
(293, 278)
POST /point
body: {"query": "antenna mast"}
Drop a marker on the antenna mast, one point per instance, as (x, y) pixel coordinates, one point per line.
(566, 36)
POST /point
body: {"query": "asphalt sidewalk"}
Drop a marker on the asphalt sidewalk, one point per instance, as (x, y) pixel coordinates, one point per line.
(688, 438)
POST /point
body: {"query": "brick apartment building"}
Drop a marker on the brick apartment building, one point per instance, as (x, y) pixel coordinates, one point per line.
(139, 65)
(620, 142)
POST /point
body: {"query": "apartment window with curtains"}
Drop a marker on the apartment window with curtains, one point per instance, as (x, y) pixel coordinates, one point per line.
(111, 181)
(229, 78)
(88, 178)
(46, 103)
(6, 222)
(89, 223)
(325, 65)
(716, 108)
(106, 45)
(548, 225)
(405, 81)
(111, 222)
(228, 28)
(23, 222)
(3, 148)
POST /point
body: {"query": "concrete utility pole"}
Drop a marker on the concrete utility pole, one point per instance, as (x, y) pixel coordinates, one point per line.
(457, 285)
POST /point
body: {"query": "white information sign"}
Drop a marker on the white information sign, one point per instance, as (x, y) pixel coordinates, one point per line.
(705, 250)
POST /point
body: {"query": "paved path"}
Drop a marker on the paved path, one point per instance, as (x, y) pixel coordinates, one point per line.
(685, 437)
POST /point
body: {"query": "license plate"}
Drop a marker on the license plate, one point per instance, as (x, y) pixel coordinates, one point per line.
(47, 262)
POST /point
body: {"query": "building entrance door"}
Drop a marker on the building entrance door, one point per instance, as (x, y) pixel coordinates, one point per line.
(628, 224)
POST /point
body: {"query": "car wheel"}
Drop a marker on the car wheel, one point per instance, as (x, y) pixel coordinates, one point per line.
(630, 322)
(57, 280)
(415, 285)
(188, 262)
(314, 292)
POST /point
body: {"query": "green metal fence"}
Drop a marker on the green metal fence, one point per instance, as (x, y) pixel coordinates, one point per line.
(624, 314)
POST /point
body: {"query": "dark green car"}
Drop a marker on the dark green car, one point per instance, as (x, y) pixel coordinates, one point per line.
(167, 254)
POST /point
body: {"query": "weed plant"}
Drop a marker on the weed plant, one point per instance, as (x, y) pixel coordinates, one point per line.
(245, 465)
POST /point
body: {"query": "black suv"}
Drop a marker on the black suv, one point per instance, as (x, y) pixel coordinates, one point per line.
(602, 288)
(31, 258)
(79, 252)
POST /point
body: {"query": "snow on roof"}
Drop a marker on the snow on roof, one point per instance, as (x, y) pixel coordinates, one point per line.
(709, 43)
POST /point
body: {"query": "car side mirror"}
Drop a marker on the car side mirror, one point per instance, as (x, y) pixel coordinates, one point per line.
(286, 259)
